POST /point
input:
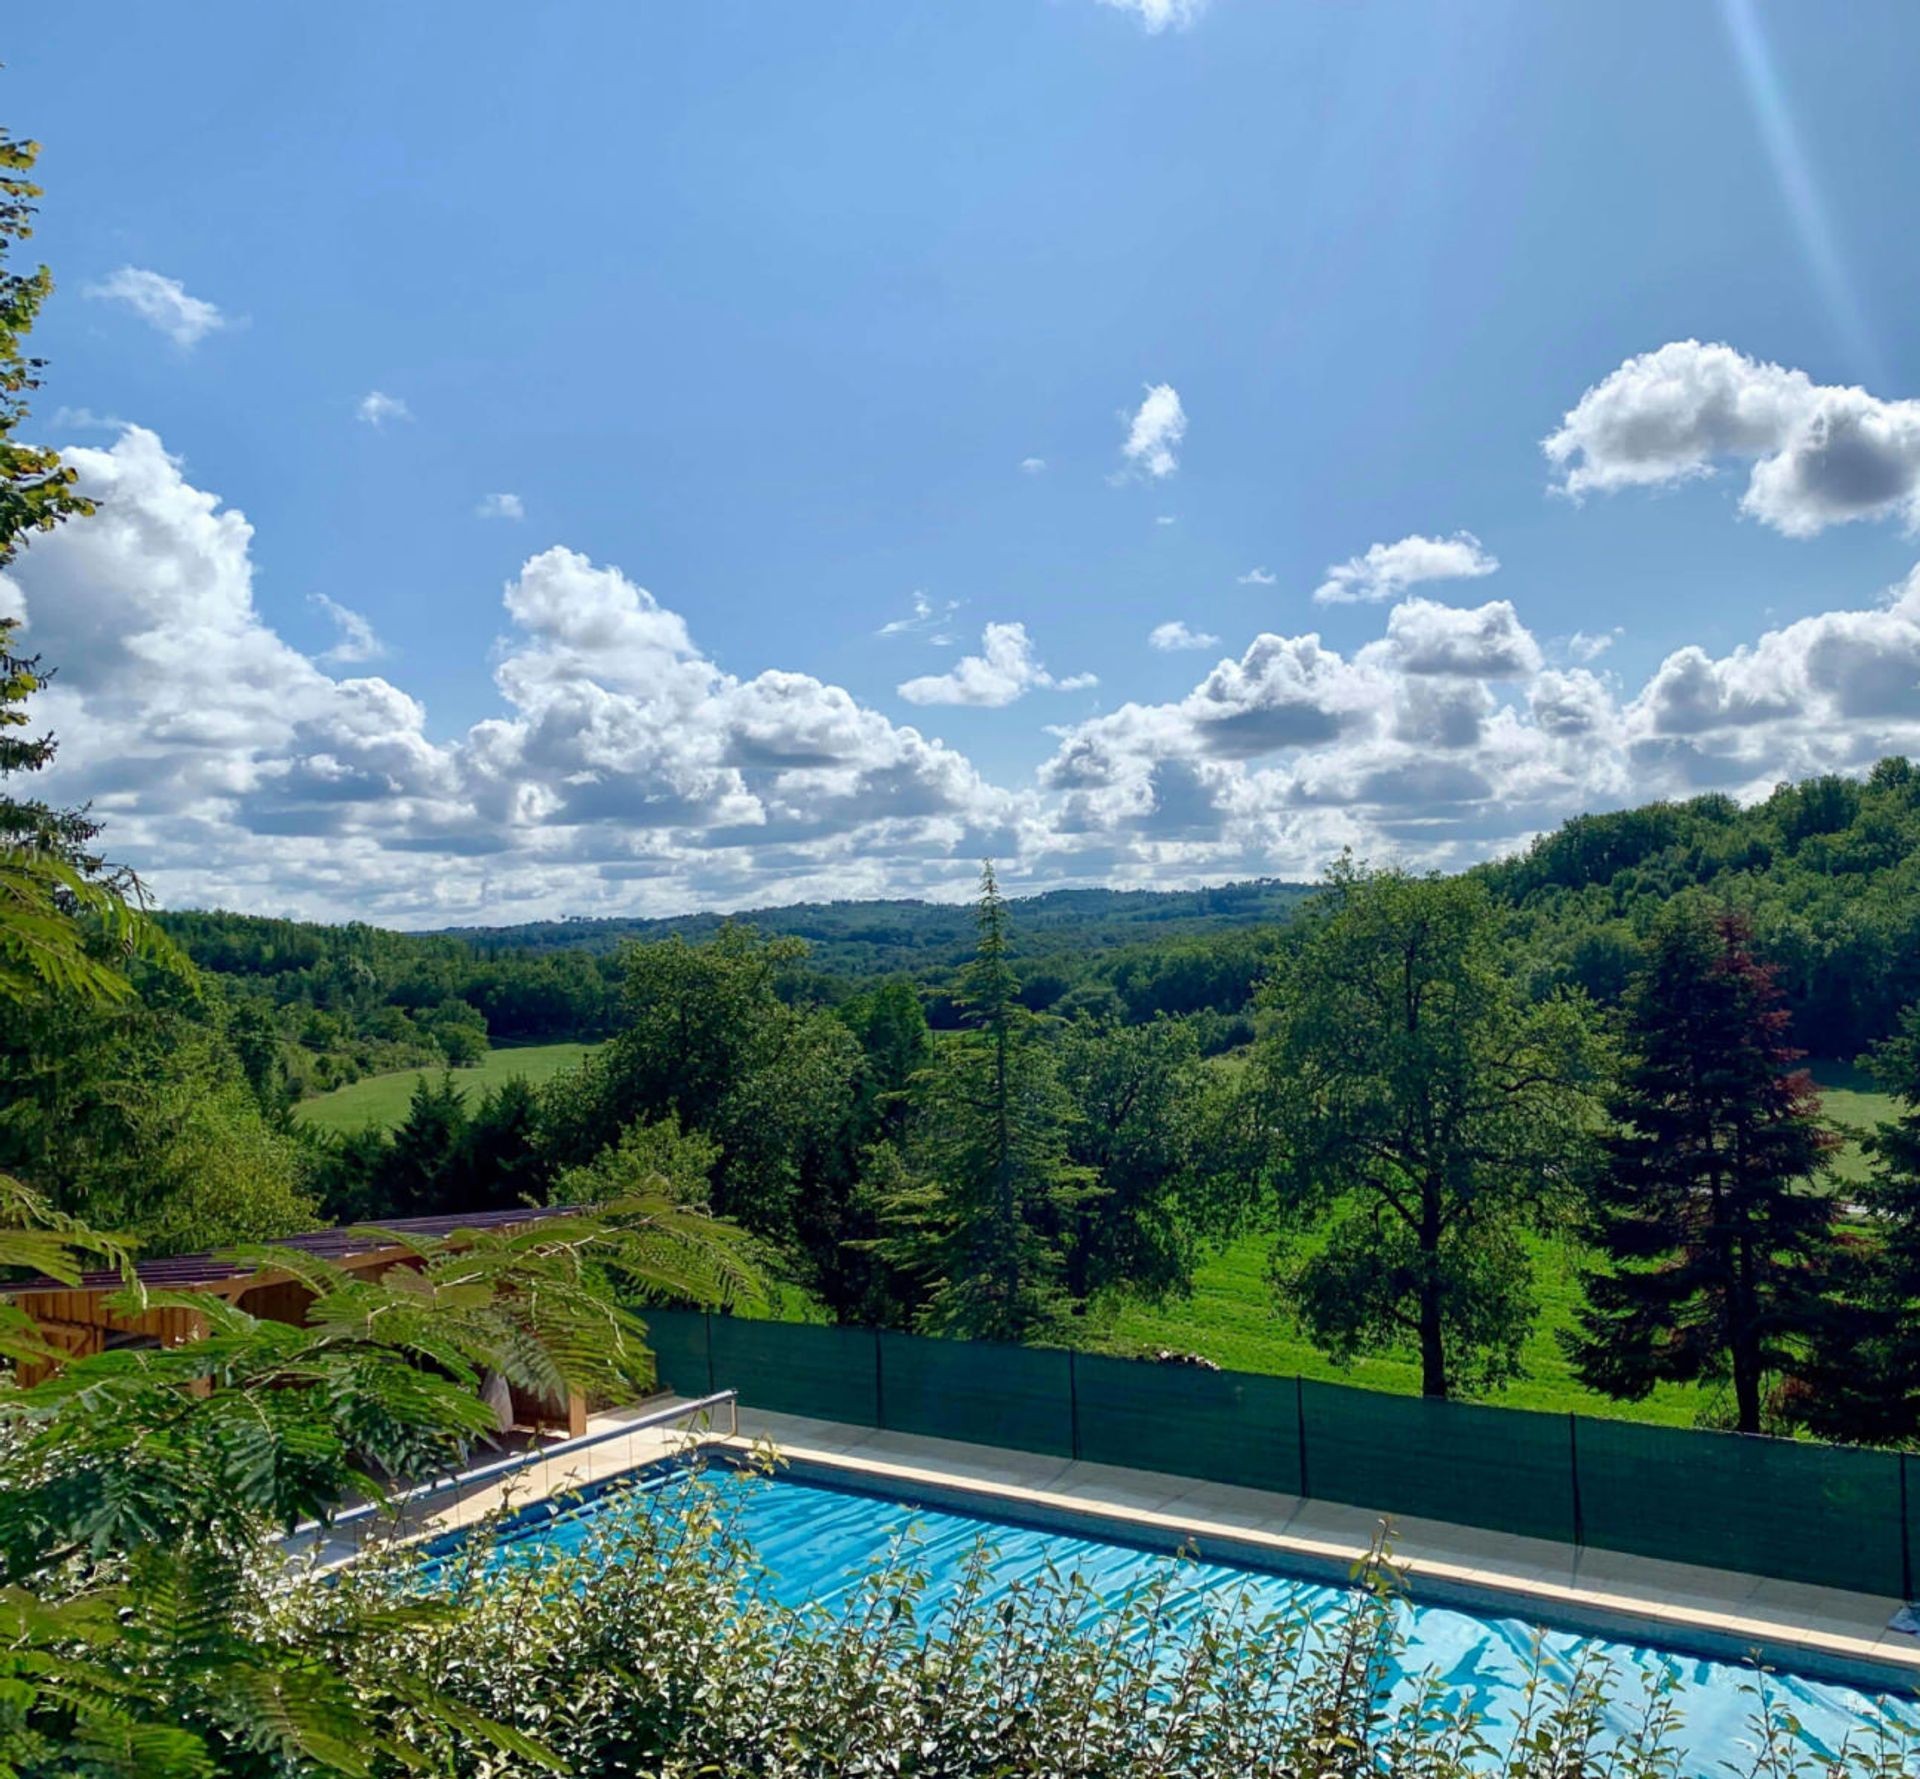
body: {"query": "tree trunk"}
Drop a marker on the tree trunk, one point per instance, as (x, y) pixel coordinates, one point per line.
(1433, 1352)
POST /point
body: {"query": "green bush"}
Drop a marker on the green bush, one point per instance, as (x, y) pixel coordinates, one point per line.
(656, 1648)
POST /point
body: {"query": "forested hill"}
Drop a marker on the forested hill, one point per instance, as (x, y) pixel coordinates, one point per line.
(1828, 869)
(882, 938)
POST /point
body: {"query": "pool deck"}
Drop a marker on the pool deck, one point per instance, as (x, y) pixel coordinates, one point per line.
(1828, 1633)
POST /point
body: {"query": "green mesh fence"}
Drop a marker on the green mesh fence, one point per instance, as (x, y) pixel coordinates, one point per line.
(679, 1342)
(1223, 1426)
(956, 1389)
(1801, 1512)
(796, 1368)
(1830, 1515)
(1497, 1467)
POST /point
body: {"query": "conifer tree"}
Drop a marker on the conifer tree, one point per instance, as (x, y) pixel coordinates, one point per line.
(982, 1219)
(1705, 1202)
(1862, 1380)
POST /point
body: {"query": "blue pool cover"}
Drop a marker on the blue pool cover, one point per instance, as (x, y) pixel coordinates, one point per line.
(817, 1542)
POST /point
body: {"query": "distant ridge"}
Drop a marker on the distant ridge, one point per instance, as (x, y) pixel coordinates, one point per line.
(906, 934)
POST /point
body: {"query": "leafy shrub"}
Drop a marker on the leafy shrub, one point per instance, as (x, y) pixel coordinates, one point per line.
(657, 1648)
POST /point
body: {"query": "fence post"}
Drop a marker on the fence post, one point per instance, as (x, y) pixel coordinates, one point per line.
(1073, 1404)
(879, 1383)
(1573, 1465)
(1906, 1537)
(1300, 1433)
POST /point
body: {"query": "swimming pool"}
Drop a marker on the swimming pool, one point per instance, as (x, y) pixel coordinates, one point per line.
(818, 1541)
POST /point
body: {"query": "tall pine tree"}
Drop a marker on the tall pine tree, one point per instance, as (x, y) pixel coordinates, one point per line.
(1862, 1381)
(982, 1219)
(1706, 1200)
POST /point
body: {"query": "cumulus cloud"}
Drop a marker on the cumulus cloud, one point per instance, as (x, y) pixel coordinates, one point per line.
(162, 303)
(1032, 466)
(377, 408)
(1257, 577)
(1388, 570)
(1155, 433)
(1821, 454)
(1484, 642)
(501, 506)
(1005, 669)
(1175, 635)
(620, 769)
(1156, 16)
(357, 640)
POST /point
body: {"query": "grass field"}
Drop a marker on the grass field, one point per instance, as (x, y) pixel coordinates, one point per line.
(1852, 1101)
(1231, 1320)
(382, 1099)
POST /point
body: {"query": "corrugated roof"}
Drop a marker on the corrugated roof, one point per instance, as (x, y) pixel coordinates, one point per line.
(188, 1272)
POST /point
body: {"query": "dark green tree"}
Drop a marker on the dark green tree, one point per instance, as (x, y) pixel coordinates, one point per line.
(895, 1045)
(1423, 1111)
(501, 1163)
(1163, 1133)
(425, 1172)
(1861, 1380)
(981, 1221)
(706, 1036)
(1706, 1203)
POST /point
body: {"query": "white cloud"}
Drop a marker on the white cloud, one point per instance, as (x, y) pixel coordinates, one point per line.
(1482, 642)
(1005, 669)
(1161, 15)
(622, 770)
(1174, 635)
(161, 302)
(84, 420)
(1585, 645)
(377, 408)
(1822, 454)
(1257, 577)
(501, 506)
(357, 640)
(1155, 432)
(1165, 519)
(926, 618)
(1387, 570)
(1032, 466)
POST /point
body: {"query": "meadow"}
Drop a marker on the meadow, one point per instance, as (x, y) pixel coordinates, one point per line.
(1230, 1318)
(382, 1099)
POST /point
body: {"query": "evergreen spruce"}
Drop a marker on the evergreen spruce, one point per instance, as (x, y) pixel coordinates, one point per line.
(1707, 1202)
(1863, 1380)
(981, 1221)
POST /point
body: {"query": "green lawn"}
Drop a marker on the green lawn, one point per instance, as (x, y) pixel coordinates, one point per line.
(382, 1099)
(1231, 1320)
(1851, 1100)
(1230, 1317)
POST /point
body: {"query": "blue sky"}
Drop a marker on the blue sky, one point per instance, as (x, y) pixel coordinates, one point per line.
(807, 319)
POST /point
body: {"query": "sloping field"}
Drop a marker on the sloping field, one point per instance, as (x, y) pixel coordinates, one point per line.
(382, 1099)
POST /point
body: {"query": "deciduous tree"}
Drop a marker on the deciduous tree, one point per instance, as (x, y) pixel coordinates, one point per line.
(1422, 1111)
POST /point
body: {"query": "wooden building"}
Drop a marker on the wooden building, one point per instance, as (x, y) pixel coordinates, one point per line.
(79, 1318)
